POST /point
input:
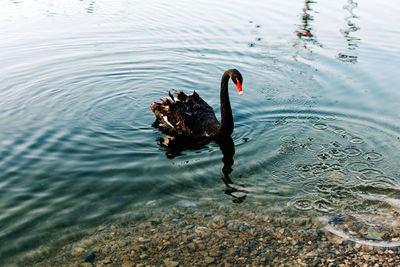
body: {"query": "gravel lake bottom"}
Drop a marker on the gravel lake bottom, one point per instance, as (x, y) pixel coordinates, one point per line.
(217, 236)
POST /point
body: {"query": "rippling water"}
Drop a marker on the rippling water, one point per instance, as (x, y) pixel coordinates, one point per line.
(316, 129)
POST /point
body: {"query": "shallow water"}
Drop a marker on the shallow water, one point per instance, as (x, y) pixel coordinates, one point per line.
(316, 129)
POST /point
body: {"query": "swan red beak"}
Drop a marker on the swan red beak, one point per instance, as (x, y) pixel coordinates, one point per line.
(239, 87)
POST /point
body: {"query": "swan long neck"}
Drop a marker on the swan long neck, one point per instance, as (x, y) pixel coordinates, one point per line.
(226, 111)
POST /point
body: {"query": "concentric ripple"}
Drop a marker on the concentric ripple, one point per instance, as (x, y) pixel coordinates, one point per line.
(338, 172)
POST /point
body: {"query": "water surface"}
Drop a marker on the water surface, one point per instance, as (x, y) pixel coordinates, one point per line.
(317, 128)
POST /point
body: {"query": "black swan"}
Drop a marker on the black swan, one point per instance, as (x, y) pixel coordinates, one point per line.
(191, 116)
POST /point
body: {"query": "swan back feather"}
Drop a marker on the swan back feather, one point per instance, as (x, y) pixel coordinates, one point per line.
(187, 115)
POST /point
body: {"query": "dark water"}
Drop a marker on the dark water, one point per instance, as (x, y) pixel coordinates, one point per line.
(316, 129)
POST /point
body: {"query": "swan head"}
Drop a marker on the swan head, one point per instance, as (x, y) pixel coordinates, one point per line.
(237, 80)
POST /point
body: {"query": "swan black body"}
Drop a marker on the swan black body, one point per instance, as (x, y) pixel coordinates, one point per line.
(191, 116)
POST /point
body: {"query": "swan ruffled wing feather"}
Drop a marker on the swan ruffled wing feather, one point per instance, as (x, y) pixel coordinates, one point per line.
(186, 115)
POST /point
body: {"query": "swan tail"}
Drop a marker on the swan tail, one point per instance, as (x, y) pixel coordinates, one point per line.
(186, 115)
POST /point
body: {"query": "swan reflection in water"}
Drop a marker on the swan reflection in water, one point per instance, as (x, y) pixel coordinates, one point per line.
(175, 146)
(350, 56)
(305, 31)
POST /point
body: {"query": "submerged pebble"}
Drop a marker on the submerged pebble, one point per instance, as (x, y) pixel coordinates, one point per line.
(221, 236)
(89, 256)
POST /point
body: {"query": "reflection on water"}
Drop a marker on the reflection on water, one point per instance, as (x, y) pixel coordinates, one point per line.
(305, 31)
(228, 151)
(352, 41)
(176, 146)
(90, 8)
